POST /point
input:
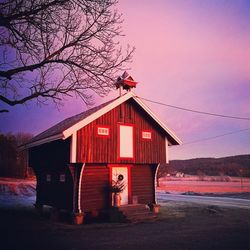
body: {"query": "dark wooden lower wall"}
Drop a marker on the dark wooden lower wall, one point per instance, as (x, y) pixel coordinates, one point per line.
(55, 193)
(95, 194)
(95, 188)
(52, 158)
(142, 183)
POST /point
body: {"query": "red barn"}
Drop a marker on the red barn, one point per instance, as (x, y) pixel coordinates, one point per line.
(76, 160)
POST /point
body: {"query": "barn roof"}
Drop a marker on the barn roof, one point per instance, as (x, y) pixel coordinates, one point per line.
(67, 127)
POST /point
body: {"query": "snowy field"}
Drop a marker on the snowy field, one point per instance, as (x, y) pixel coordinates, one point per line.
(17, 193)
(193, 184)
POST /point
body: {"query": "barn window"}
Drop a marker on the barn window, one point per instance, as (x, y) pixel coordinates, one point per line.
(103, 131)
(62, 178)
(126, 143)
(147, 135)
(48, 177)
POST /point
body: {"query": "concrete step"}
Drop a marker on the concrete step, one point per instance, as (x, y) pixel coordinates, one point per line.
(137, 213)
(134, 208)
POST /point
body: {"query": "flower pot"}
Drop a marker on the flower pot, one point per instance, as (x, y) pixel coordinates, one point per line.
(77, 218)
(117, 200)
(156, 208)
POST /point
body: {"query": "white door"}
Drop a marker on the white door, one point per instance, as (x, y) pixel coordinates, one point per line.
(121, 173)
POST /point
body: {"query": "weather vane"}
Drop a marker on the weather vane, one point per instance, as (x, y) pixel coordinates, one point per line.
(125, 82)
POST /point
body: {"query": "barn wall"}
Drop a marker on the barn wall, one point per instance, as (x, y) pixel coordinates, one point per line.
(95, 149)
(142, 183)
(52, 159)
(95, 188)
(95, 193)
(56, 193)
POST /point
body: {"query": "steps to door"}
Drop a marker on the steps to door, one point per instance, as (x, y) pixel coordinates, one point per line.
(132, 213)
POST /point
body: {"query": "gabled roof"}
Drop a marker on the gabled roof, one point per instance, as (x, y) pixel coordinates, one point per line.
(67, 127)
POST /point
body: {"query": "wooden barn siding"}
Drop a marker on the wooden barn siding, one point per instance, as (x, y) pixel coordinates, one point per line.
(55, 193)
(142, 183)
(95, 149)
(52, 158)
(95, 188)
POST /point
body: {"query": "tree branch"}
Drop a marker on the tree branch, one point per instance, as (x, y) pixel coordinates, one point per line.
(56, 48)
(5, 20)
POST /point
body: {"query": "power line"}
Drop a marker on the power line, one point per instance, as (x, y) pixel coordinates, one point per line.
(196, 111)
(215, 137)
(204, 113)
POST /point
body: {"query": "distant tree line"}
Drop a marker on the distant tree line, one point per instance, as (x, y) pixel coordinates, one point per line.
(13, 162)
(228, 166)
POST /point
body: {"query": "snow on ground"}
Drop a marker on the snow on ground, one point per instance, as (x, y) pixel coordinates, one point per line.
(16, 193)
(187, 185)
(19, 193)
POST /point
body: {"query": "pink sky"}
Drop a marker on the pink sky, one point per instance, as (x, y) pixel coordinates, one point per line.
(193, 54)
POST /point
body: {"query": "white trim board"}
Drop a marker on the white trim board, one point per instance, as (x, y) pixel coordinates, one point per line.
(73, 144)
(166, 145)
(79, 189)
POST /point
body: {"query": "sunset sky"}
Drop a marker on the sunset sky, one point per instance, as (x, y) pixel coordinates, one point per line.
(189, 53)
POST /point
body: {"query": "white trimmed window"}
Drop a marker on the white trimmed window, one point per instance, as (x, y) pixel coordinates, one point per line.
(48, 177)
(104, 131)
(126, 142)
(147, 135)
(62, 178)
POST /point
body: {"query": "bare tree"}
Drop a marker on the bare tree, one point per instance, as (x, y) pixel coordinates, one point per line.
(53, 48)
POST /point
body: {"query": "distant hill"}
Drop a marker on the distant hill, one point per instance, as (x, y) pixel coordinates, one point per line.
(232, 166)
